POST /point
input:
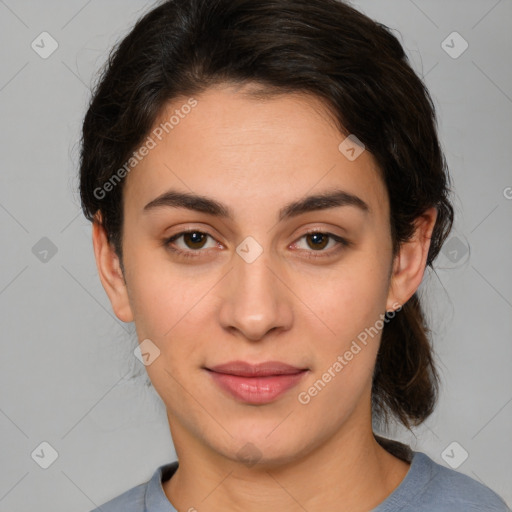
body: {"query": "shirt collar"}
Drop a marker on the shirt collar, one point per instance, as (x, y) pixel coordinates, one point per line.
(155, 499)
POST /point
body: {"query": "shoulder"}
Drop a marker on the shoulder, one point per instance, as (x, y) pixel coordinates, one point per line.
(143, 497)
(130, 501)
(444, 489)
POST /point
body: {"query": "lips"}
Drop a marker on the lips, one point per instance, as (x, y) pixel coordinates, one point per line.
(243, 369)
(256, 384)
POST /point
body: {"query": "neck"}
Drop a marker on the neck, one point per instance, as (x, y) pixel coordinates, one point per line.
(351, 470)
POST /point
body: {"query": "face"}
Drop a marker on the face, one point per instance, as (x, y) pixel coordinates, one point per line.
(266, 273)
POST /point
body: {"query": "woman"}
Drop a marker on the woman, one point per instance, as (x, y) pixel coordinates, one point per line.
(267, 187)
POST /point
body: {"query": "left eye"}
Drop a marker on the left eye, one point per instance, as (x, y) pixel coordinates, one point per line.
(317, 240)
(194, 241)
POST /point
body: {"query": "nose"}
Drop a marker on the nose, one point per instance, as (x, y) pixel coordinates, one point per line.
(255, 299)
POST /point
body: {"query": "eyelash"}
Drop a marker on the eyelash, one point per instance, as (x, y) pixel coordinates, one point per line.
(342, 243)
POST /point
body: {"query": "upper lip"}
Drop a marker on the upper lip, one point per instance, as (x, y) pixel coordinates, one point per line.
(244, 369)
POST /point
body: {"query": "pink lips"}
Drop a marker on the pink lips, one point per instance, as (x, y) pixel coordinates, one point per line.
(256, 384)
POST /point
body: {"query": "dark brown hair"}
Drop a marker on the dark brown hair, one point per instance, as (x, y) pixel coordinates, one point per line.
(322, 47)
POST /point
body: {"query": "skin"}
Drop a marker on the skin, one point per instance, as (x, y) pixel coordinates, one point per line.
(255, 156)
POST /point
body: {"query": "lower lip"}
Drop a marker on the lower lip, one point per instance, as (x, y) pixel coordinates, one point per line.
(256, 390)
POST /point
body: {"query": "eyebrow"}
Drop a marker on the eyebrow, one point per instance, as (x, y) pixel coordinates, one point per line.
(323, 201)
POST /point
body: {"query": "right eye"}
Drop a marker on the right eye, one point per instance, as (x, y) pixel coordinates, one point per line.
(194, 241)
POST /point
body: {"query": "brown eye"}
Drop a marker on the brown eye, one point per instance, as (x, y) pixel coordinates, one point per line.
(194, 239)
(320, 244)
(189, 243)
(318, 240)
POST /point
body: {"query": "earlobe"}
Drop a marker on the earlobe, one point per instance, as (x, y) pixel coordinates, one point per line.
(110, 272)
(410, 262)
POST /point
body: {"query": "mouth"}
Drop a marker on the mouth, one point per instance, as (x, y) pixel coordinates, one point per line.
(256, 384)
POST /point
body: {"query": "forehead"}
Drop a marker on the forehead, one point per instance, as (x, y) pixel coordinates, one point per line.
(245, 150)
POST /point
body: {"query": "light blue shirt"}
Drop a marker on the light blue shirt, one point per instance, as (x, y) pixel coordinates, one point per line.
(427, 487)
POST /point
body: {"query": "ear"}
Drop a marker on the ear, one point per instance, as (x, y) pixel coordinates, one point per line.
(109, 271)
(410, 262)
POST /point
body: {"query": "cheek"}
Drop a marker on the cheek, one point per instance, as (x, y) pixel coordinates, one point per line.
(166, 305)
(351, 308)
(349, 305)
(348, 299)
(160, 291)
(171, 305)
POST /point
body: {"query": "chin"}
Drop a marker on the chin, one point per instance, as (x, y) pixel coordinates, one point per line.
(259, 450)
(258, 457)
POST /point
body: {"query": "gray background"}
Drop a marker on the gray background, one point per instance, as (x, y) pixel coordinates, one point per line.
(67, 362)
